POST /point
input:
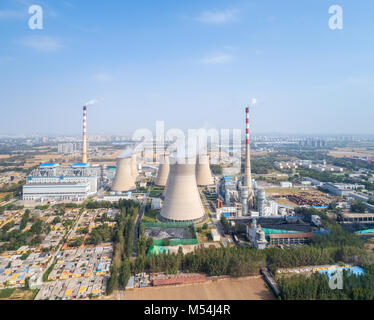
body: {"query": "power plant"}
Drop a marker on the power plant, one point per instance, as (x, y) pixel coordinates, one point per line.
(203, 175)
(163, 171)
(124, 179)
(182, 199)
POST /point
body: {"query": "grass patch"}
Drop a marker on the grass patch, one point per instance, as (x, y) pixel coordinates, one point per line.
(6, 293)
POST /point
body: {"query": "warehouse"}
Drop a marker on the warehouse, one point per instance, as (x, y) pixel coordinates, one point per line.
(52, 182)
(60, 191)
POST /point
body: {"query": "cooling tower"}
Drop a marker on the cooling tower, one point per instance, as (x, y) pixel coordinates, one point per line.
(182, 199)
(203, 174)
(134, 167)
(123, 180)
(163, 171)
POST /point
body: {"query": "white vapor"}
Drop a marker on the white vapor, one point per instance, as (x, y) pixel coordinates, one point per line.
(91, 102)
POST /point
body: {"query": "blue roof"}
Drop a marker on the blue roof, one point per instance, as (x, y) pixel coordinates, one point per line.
(80, 165)
(49, 165)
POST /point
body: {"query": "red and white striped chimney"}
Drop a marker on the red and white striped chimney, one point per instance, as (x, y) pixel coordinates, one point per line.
(84, 155)
(247, 175)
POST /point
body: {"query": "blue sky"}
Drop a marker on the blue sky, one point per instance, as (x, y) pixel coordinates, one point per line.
(190, 63)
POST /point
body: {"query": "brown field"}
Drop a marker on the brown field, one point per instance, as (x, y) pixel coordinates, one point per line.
(350, 152)
(248, 288)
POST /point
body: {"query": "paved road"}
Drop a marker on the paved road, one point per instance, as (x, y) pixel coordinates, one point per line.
(216, 222)
(137, 224)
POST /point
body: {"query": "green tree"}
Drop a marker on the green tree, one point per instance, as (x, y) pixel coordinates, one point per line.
(124, 274)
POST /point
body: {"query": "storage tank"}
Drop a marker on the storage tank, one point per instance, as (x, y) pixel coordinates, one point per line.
(182, 199)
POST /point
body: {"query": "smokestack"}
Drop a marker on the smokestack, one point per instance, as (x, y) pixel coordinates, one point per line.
(84, 155)
(203, 174)
(182, 199)
(123, 181)
(247, 175)
(163, 171)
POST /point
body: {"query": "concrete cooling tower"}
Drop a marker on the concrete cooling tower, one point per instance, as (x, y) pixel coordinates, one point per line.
(123, 181)
(203, 174)
(163, 171)
(182, 199)
(134, 167)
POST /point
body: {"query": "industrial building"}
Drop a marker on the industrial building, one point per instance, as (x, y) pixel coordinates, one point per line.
(290, 238)
(50, 182)
(279, 231)
(341, 189)
(357, 218)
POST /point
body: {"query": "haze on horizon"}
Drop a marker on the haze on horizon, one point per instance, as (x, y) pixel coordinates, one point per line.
(192, 64)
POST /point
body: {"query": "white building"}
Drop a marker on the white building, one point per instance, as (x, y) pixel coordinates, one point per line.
(156, 204)
(56, 192)
(215, 235)
(285, 184)
(52, 182)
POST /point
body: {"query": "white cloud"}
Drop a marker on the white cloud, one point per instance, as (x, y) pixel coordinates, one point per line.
(41, 43)
(217, 17)
(102, 77)
(217, 58)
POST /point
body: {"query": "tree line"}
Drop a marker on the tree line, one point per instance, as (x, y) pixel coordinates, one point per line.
(316, 286)
(123, 245)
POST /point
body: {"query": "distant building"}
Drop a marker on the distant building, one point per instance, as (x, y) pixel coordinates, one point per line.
(357, 217)
(341, 189)
(67, 148)
(215, 235)
(289, 238)
(285, 184)
(314, 182)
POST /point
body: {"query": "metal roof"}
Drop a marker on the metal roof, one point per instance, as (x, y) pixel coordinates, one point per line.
(49, 165)
(80, 165)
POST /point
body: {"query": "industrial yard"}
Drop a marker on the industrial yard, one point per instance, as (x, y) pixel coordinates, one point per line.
(299, 197)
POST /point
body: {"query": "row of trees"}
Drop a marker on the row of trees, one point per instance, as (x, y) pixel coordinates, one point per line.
(123, 244)
(316, 287)
(233, 261)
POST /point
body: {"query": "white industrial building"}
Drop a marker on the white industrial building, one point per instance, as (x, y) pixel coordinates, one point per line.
(57, 191)
(50, 182)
